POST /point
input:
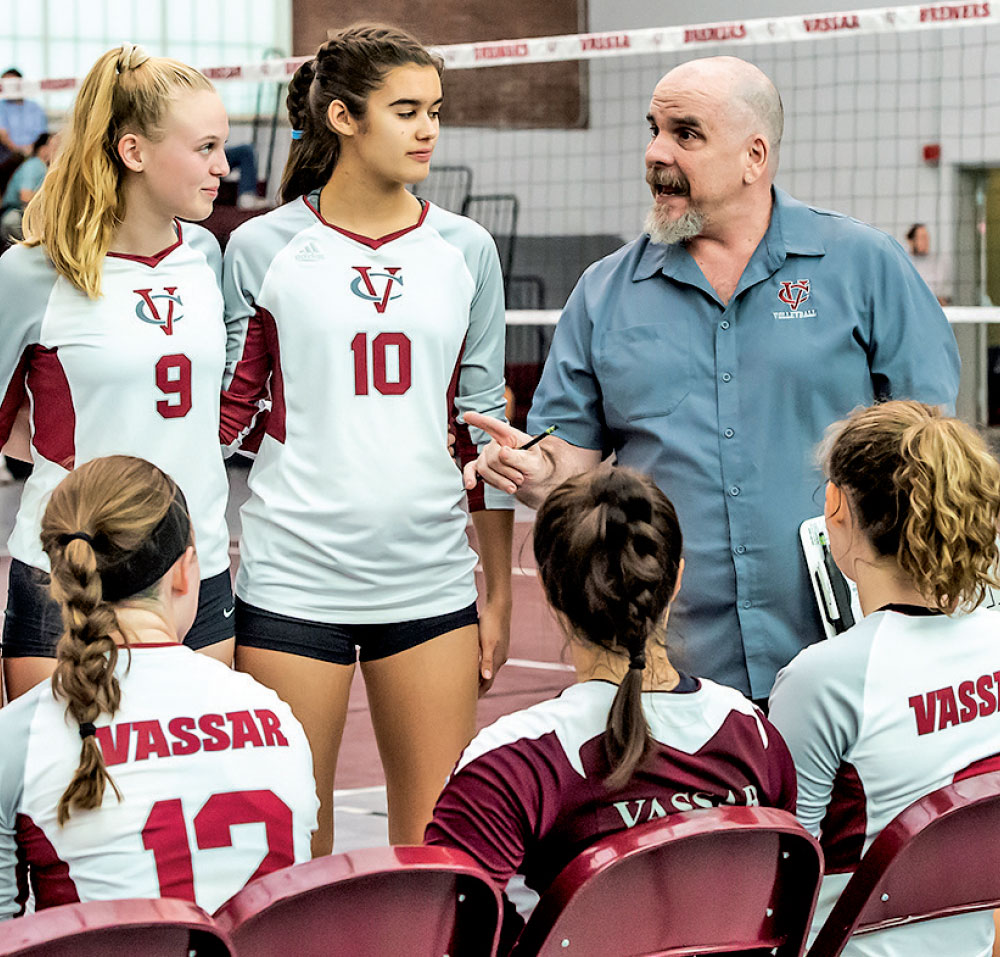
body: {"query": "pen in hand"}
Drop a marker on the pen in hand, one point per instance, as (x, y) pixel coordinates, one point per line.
(538, 438)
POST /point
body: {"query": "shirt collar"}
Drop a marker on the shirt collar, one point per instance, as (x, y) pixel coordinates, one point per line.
(792, 231)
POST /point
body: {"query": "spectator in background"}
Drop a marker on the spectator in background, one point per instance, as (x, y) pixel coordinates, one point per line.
(21, 123)
(244, 159)
(933, 268)
(23, 185)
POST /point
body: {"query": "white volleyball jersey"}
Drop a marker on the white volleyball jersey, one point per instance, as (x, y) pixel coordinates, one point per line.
(351, 356)
(136, 372)
(901, 704)
(215, 776)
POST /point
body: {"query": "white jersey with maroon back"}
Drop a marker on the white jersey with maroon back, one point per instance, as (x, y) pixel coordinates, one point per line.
(350, 357)
(897, 706)
(216, 785)
(136, 372)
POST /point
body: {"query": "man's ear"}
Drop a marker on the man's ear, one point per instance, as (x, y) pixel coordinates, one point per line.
(130, 150)
(758, 152)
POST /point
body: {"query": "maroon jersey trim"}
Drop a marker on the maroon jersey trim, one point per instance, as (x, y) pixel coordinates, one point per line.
(842, 832)
(154, 260)
(14, 399)
(259, 364)
(367, 240)
(52, 403)
(49, 875)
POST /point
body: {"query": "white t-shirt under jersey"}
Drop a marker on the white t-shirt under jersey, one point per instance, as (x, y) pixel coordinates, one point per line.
(136, 372)
(215, 775)
(898, 706)
(359, 352)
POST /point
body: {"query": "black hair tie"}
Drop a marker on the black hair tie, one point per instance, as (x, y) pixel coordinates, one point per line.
(637, 662)
(64, 540)
(87, 729)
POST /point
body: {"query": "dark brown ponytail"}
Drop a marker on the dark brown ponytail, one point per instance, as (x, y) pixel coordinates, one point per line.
(608, 548)
(348, 67)
(97, 518)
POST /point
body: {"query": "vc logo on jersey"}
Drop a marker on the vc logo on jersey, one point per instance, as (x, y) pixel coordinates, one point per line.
(377, 287)
(159, 309)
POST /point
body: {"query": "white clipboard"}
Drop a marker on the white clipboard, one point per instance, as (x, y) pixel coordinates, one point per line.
(836, 596)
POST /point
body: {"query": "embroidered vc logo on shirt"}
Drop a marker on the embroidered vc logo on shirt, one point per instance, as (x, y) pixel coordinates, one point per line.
(793, 294)
(159, 309)
(377, 287)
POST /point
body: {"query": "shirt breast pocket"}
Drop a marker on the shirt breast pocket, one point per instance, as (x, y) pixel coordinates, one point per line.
(645, 371)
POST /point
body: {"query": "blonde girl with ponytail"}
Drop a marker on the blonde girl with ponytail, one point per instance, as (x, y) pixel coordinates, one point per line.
(111, 324)
(137, 741)
(907, 700)
(635, 738)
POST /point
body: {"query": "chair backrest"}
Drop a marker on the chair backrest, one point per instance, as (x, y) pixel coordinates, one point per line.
(418, 901)
(954, 831)
(164, 927)
(725, 880)
(498, 214)
(446, 186)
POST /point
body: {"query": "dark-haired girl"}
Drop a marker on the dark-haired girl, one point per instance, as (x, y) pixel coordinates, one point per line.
(634, 739)
(363, 319)
(905, 702)
(127, 775)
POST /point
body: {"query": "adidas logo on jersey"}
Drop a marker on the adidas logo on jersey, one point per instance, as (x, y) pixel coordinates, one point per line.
(310, 253)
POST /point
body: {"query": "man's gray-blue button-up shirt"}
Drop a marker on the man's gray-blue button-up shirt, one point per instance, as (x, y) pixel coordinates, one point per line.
(724, 406)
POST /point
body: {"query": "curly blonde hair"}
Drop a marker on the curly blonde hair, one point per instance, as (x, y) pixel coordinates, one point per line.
(926, 491)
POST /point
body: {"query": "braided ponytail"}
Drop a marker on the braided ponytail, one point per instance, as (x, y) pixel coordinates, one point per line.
(98, 518)
(927, 493)
(348, 67)
(608, 548)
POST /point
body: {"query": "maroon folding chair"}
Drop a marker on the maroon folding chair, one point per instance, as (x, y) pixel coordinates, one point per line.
(721, 881)
(954, 831)
(128, 928)
(418, 901)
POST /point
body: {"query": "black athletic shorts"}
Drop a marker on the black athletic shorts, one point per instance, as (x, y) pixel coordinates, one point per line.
(33, 623)
(340, 644)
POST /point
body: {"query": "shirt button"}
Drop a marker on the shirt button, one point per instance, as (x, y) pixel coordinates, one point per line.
(740, 549)
(747, 603)
(729, 433)
(724, 324)
(726, 376)
(735, 490)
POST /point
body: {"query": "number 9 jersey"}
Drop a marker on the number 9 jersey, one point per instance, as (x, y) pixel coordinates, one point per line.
(136, 372)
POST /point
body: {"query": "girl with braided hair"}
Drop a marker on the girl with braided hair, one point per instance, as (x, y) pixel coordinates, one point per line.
(635, 738)
(138, 741)
(111, 326)
(364, 320)
(906, 701)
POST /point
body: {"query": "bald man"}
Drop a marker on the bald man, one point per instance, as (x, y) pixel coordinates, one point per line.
(713, 351)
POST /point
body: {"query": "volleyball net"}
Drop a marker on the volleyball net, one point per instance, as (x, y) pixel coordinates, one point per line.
(892, 115)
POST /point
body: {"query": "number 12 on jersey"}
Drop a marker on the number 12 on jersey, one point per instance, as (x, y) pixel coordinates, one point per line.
(386, 348)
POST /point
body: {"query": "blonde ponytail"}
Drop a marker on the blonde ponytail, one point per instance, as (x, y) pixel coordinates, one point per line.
(926, 491)
(80, 204)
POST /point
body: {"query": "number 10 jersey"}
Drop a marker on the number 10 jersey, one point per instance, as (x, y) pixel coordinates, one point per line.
(136, 372)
